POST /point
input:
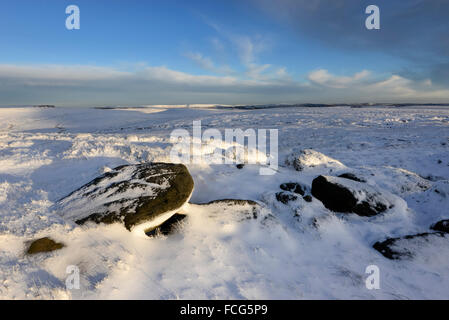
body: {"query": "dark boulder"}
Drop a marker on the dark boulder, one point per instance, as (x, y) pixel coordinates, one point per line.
(343, 195)
(131, 194)
(442, 226)
(44, 245)
(307, 198)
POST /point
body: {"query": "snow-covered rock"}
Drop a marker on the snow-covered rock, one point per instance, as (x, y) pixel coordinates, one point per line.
(407, 246)
(344, 195)
(286, 197)
(308, 159)
(351, 176)
(140, 196)
(293, 187)
(400, 181)
(292, 192)
(431, 204)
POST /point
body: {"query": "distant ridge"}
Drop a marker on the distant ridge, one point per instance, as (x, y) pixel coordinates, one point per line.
(250, 106)
(323, 105)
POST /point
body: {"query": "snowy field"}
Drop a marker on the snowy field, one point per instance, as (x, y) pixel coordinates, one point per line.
(296, 251)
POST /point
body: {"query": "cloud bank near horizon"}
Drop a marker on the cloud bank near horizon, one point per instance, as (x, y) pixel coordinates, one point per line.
(93, 86)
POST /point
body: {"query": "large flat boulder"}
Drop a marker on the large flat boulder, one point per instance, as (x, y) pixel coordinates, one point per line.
(347, 196)
(140, 196)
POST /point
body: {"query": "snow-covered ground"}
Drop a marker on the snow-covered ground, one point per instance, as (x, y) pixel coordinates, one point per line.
(47, 153)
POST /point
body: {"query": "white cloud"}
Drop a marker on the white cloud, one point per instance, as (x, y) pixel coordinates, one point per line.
(282, 73)
(165, 75)
(324, 78)
(394, 85)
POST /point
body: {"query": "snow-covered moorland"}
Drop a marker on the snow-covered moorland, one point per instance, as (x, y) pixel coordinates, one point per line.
(293, 250)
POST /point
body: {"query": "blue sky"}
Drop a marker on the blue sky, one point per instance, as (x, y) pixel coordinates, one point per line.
(227, 52)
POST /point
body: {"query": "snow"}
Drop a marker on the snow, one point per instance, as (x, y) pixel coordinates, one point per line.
(295, 251)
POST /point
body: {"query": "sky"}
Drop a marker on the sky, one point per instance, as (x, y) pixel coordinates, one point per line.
(142, 52)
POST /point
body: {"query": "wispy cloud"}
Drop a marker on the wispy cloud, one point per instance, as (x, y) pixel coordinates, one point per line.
(207, 64)
(217, 44)
(247, 49)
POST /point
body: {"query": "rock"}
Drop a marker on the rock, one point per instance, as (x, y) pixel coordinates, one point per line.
(293, 187)
(307, 198)
(402, 247)
(442, 226)
(285, 197)
(292, 190)
(309, 158)
(343, 195)
(44, 245)
(168, 227)
(240, 166)
(143, 195)
(351, 176)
